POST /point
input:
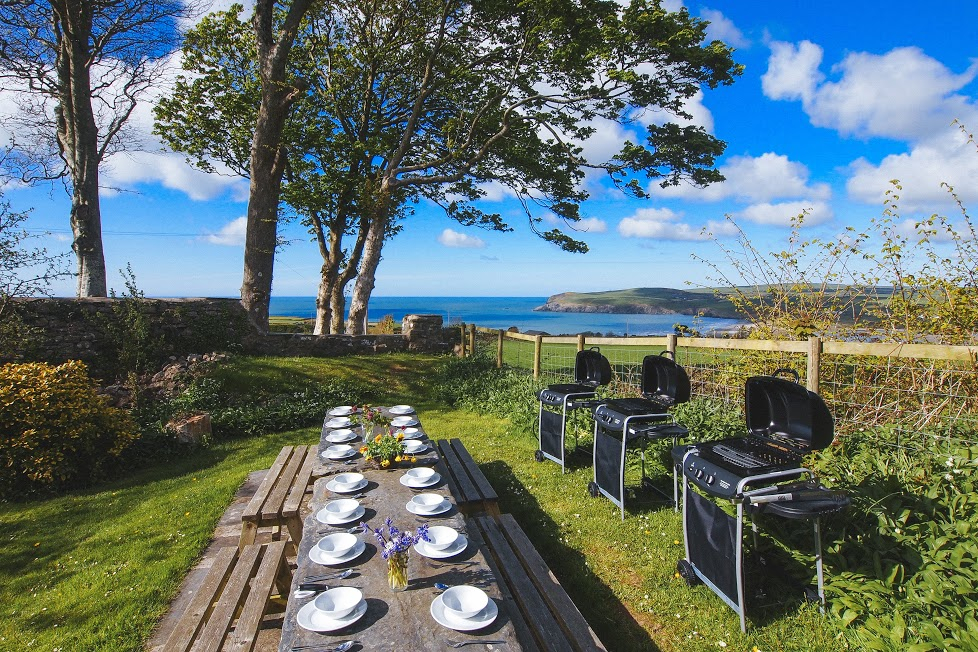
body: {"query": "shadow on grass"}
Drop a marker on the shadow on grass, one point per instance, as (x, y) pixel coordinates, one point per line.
(608, 617)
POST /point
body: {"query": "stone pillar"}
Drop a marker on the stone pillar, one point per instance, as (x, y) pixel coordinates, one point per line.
(422, 332)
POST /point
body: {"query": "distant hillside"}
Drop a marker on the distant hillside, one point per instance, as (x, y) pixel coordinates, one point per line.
(643, 301)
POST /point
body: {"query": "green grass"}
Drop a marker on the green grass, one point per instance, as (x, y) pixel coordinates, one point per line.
(95, 570)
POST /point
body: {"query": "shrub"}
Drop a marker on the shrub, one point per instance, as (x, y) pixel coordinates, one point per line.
(56, 432)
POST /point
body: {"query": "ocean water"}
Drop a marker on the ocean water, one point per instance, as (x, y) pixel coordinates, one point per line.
(505, 312)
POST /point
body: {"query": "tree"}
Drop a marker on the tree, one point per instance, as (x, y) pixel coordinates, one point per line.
(424, 99)
(79, 68)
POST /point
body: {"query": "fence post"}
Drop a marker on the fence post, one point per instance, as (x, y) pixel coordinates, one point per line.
(537, 355)
(580, 342)
(814, 362)
(463, 339)
(472, 339)
(499, 349)
(671, 343)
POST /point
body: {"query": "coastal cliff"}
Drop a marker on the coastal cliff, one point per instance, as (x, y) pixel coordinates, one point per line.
(642, 301)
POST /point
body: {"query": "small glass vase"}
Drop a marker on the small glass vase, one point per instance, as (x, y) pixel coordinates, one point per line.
(397, 573)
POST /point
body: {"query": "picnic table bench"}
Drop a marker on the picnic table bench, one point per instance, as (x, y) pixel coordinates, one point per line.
(239, 584)
(468, 484)
(277, 500)
(546, 617)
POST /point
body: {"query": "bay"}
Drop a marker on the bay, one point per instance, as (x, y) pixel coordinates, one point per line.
(507, 312)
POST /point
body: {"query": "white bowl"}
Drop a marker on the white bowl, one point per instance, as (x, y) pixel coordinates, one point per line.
(420, 475)
(342, 508)
(341, 411)
(413, 446)
(441, 537)
(426, 502)
(348, 480)
(464, 601)
(338, 450)
(338, 602)
(337, 545)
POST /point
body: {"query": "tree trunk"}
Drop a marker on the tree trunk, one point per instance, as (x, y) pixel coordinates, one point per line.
(267, 154)
(374, 244)
(324, 302)
(338, 302)
(78, 141)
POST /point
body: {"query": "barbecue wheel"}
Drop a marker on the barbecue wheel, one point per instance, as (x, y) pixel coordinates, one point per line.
(538, 456)
(687, 573)
(592, 488)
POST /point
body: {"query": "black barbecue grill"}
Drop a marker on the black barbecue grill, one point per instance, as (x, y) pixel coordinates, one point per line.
(761, 473)
(591, 370)
(624, 421)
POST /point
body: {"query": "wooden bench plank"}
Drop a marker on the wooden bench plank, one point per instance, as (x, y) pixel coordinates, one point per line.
(553, 593)
(219, 624)
(300, 485)
(271, 510)
(192, 620)
(467, 488)
(253, 508)
(269, 574)
(482, 486)
(542, 622)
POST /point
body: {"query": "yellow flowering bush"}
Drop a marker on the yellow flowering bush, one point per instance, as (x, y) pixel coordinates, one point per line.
(55, 430)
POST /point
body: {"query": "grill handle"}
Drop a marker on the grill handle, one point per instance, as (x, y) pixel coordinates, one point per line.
(785, 371)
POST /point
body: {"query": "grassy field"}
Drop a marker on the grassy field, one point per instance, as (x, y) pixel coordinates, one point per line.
(95, 570)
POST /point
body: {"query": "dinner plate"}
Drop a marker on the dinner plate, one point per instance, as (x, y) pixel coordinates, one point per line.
(338, 422)
(341, 436)
(400, 422)
(311, 618)
(413, 433)
(482, 619)
(331, 485)
(425, 550)
(340, 456)
(402, 409)
(406, 481)
(329, 519)
(422, 447)
(317, 556)
(441, 509)
(341, 411)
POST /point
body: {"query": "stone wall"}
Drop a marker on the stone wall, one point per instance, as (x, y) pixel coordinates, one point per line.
(95, 330)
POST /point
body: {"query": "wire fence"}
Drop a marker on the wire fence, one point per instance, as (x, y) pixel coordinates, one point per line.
(917, 394)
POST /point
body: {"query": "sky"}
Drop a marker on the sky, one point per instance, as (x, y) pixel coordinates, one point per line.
(837, 99)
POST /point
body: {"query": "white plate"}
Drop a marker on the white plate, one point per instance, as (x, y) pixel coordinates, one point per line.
(337, 422)
(441, 509)
(341, 456)
(323, 517)
(425, 550)
(316, 554)
(311, 618)
(341, 411)
(331, 485)
(341, 436)
(400, 422)
(414, 451)
(413, 433)
(482, 619)
(407, 482)
(402, 409)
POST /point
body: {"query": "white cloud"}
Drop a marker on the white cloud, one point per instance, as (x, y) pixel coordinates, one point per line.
(456, 240)
(663, 224)
(590, 225)
(792, 72)
(723, 29)
(781, 214)
(231, 234)
(754, 179)
(129, 169)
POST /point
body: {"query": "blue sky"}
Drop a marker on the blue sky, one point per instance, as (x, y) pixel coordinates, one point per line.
(837, 99)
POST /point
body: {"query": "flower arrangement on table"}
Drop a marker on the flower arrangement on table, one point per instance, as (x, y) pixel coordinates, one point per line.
(386, 449)
(368, 417)
(395, 544)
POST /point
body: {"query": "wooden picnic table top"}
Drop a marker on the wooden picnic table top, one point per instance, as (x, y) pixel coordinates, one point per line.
(395, 620)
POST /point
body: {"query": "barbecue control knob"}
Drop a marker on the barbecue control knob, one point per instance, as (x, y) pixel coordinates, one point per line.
(710, 479)
(699, 473)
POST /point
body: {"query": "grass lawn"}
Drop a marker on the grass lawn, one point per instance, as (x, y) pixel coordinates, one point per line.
(95, 570)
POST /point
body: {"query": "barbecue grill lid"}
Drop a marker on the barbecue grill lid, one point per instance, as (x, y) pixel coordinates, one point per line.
(785, 411)
(592, 368)
(663, 380)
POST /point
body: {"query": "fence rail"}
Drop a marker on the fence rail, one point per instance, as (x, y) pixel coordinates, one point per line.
(915, 387)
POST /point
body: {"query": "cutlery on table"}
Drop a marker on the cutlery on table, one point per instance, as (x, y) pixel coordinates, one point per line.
(330, 576)
(457, 644)
(336, 528)
(325, 647)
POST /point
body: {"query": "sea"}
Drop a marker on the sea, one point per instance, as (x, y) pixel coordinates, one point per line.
(507, 312)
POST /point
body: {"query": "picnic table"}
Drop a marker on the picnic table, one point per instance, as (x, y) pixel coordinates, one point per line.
(396, 620)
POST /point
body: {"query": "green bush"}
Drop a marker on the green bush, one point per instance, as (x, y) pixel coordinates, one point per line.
(56, 432)
(474, 383)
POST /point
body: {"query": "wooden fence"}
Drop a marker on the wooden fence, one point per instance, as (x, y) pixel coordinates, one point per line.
(865, 384)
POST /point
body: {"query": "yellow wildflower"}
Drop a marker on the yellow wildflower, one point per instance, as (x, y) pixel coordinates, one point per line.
(397, 458)
(364, 449)
(400, 436)
(413, 459)
(385, 463)
(377, 438)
